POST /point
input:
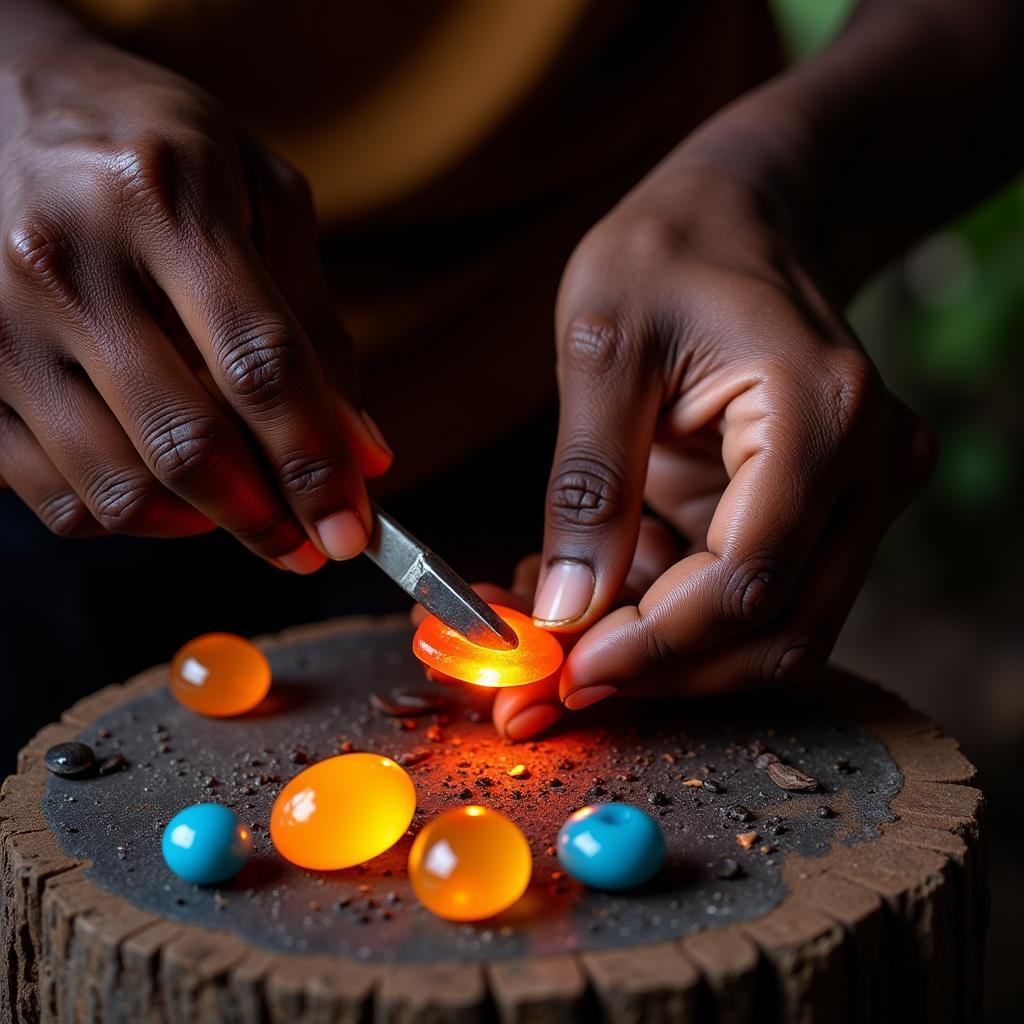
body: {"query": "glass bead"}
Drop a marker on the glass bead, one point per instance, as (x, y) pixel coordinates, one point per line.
(469, 863)
(440, 647)
(206, 844)
(220, 675)
(611, 846)
(342, 811)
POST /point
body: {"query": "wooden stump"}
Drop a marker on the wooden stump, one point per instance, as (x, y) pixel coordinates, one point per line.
(871, 909)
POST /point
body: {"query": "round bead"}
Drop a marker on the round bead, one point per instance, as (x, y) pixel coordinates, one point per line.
(611, 846)
(70, 760)
(440, 647)
(206, 844)
(342, 811)
(469, 863)
(220, 675)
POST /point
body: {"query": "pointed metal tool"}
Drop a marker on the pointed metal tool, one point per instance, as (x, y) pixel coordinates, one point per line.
(430, 581)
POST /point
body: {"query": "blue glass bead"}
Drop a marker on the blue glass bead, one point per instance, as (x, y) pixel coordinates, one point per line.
(611, 846)
(206, 844)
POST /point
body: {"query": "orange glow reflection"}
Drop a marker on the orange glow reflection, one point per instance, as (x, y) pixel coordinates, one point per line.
(441, 648)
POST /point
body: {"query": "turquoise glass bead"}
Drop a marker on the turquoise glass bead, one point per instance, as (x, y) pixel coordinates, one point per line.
(206, 844)
(611, 846)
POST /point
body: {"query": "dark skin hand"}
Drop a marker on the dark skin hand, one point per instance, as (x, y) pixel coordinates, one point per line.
(704, 367)
(169, 357)
(708, 377)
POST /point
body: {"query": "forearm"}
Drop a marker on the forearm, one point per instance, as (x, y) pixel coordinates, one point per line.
(911, 115)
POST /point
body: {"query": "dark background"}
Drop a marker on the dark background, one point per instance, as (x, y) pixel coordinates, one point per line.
(939, 620)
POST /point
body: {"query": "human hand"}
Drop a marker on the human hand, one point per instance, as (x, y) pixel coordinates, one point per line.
(170, 360)
(703, 371)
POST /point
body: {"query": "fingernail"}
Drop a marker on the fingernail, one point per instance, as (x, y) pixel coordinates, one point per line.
(375, 433)
(581, 699)
(565, 594)
(532, 721)
(342, 535)
(303, 560)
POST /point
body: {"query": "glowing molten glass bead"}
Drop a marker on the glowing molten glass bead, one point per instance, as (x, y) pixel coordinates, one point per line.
(206, 844)
(537, 656)
(220, 675)
(469, 863)
(342, 811)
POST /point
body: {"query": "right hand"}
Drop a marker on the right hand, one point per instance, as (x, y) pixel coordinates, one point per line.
(170, 360)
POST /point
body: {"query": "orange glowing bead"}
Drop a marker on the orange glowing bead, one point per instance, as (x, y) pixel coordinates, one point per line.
(470, 863)
(220, 675)
(342, 811)
(537, 656)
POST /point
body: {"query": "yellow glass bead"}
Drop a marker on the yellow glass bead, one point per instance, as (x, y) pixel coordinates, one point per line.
(220, 675)
(342, 811)
(470, 863)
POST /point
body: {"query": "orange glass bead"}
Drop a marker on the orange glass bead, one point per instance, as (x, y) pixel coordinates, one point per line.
(470, 863)
(442, 648)
(342, 811)
(220, 675)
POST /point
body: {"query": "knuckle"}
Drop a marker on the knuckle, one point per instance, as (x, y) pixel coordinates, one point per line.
(64, 514)
(305, 476)
(182, 446)
(38, 250)
(853, 393)
(119, 503)
(259, 362)
(596, 345)
(585, 491)
(754, 590)
(143, 173)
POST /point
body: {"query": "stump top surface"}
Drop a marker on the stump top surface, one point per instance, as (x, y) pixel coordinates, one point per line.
(634, 752)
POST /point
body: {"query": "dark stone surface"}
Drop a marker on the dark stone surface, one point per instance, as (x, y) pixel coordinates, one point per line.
(319, 705)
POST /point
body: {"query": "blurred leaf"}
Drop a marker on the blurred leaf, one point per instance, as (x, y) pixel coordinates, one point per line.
(976, 467)
(806, 25)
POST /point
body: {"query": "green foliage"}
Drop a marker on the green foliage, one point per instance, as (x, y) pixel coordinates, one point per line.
(806, 25)
(960, 344)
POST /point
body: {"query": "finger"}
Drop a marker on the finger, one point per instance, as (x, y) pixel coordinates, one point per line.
(786, 467)
(192, 445)
(88, 448)
(264, 365)
(33, 477)
(285, 234)
(610, 399)
(802, 639)
(522, 712)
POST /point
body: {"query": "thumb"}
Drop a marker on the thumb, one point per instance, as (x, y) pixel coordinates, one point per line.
(610, 397)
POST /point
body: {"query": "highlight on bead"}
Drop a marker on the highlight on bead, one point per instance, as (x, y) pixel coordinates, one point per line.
(220, 675)
(440, 647)
(342, 811)
(469, 864)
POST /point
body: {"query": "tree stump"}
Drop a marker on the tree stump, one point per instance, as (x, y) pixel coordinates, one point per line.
(862, 900)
